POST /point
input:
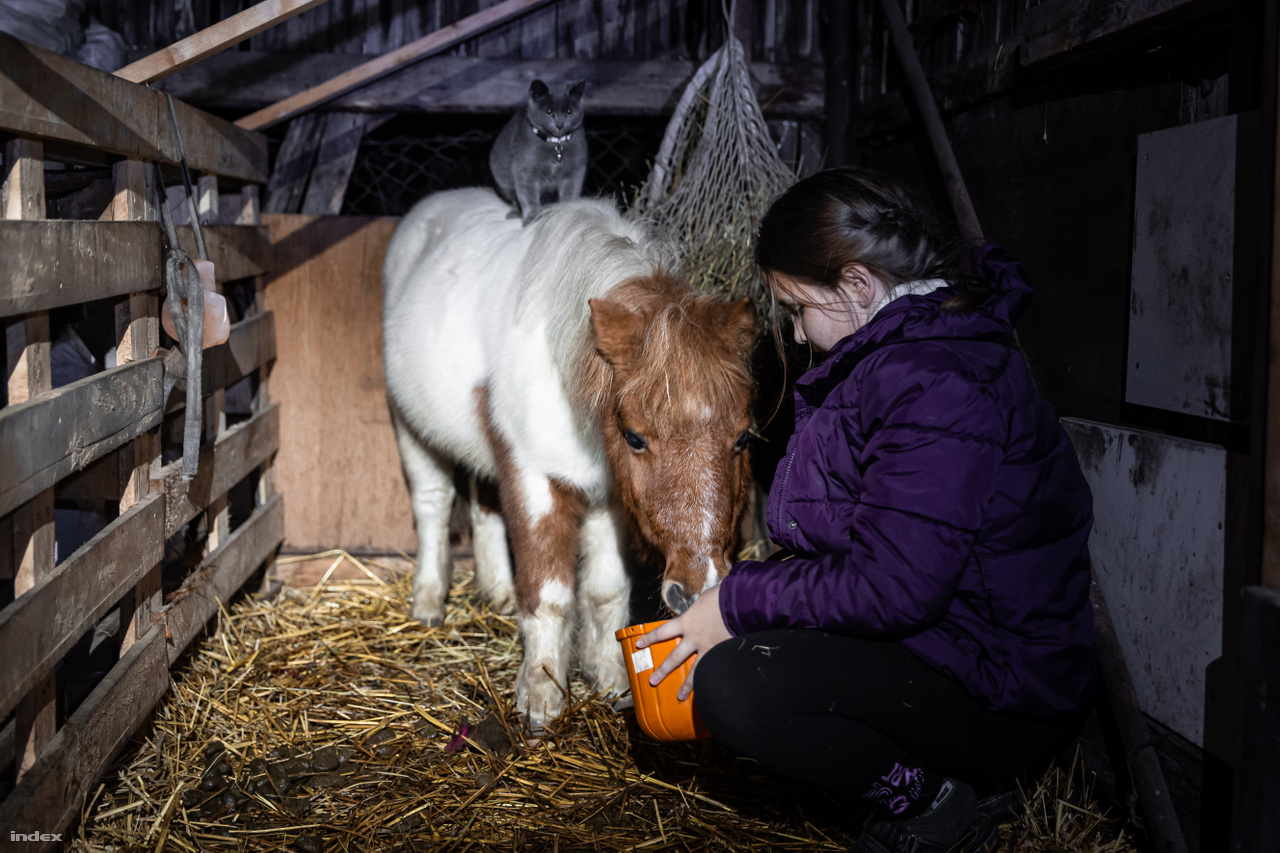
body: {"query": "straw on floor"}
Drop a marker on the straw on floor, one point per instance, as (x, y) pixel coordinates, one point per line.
(328, 719)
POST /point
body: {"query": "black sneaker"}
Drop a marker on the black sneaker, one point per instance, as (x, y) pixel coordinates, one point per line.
(955, 825)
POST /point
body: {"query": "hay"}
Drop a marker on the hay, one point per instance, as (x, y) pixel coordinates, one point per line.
(328, 719)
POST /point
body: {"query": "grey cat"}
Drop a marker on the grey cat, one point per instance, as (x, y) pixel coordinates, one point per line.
(542, 150)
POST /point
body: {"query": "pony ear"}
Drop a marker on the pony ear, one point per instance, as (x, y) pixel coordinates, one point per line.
(619, 332)
(740, 326)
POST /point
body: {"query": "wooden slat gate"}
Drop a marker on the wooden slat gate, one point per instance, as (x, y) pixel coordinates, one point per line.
(56, 109)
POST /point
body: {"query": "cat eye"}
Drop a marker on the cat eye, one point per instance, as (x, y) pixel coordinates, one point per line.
(635, 440)
(548, 112)
(568, 112)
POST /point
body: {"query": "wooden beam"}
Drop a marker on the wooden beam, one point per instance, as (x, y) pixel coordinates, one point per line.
(251, 345)
(38, 628)
(60, 262)
(98, 117)
(222, 464)
(56, 786)
(237, 251)
(294, 161)
(214, 39)
(1058, 27)
(335, 160)
(55, 434)
(465, 84)
(388, 63)
(223, 572)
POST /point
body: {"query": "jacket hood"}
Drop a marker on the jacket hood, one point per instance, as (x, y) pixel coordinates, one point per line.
(917, 318)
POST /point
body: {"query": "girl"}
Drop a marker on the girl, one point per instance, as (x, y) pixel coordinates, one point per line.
(931, 630)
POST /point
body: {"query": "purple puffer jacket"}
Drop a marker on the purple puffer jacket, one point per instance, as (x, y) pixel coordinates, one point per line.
(931, 496)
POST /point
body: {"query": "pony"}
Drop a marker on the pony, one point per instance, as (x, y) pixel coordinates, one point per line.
(608, 400)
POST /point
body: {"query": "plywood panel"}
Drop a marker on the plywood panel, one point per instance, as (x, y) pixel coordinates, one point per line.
(1159, 505)
(338, 461)
(1180, 307)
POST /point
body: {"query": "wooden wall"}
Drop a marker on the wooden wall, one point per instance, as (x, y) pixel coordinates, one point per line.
(338, 459)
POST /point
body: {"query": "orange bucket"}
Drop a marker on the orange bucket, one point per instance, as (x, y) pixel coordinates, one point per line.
(659, 712)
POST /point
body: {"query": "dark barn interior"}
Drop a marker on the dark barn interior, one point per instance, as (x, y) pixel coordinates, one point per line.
(1125, 152)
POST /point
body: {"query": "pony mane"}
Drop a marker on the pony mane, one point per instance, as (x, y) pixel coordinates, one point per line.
(696, 371)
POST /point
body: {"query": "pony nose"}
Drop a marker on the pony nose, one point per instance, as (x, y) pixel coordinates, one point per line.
(676, 598)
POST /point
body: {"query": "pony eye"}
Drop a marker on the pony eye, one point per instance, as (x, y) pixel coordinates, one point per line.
(742, 440)
(635, 440)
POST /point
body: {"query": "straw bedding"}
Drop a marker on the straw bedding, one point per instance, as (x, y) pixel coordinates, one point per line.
(327, 719)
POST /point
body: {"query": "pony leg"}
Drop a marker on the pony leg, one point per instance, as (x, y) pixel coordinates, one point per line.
(604, 602)
(489, 541)
(543, 518)
(431, 494)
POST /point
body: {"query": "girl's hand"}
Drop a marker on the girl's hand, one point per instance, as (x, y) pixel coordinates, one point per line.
(700, 628)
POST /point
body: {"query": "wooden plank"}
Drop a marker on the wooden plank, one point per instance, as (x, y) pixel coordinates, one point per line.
(55, 788)
(223, 463)
(213, 40)
(464, 84)
(237, 251)
(335, 408)
(251, 345)
(388, 63)
(223, 572)
(1058, 27)
(101, 117)
(37, 629)
(137, 337)
(334, 162)
(55, 434)
(294, 162)
(30, 536)
(60, 262)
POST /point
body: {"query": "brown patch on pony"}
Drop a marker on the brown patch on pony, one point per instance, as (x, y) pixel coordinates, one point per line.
(544, 551)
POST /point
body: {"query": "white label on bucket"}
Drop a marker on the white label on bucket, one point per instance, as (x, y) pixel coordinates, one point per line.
(641, 660)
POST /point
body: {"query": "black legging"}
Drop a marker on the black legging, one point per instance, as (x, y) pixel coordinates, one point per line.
(860, 718)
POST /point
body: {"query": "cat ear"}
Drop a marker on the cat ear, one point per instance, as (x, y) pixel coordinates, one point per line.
(576, 88)
(538, 90)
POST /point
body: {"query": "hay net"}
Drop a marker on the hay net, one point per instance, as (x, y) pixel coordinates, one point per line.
(715, 175)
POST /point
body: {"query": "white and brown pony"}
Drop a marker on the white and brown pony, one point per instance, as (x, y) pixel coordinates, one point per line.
(603, 395)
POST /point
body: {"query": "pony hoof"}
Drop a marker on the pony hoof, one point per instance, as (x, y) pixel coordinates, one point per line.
(624, 703)
(431, 621)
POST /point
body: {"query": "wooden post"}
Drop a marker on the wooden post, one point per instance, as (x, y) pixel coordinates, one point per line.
(138, 336)
(1255, 822)
(838, 72)
(218, 515)
(250, 214)
(31, 536)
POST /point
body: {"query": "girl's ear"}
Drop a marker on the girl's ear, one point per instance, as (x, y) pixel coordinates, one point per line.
(861, 283)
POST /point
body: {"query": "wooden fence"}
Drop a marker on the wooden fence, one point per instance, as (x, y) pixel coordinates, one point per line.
(54, 109)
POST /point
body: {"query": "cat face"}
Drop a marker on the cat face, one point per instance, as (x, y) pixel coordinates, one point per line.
(559, 112)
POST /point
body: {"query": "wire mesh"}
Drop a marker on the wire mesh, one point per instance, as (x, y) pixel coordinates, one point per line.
(395, 170)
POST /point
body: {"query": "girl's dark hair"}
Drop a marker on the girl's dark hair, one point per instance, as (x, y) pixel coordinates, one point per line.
(837, 217)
